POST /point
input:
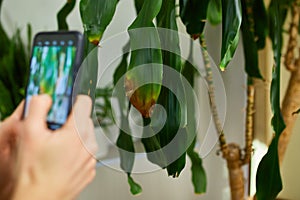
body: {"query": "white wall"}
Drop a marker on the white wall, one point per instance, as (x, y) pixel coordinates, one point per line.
(111, 184)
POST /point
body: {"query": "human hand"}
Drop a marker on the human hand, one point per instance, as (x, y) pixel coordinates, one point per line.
(8, 152)
(56, 164)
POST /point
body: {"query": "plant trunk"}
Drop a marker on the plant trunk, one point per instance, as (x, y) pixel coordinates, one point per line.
(290, 105)
(232, 152)
(291, 101)
(236, 175)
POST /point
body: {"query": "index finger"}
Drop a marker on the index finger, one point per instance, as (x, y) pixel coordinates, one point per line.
(39, 107)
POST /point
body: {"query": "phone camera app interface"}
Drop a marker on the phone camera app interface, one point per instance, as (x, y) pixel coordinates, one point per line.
(51, 73)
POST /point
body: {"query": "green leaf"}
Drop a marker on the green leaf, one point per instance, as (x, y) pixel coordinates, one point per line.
(14, 62)
(88, 73)
(4, 41)
(134, 187)
(29, 37)
(126, 148)
(198, 172)
(152, 145)
(268, 179)
(124, 141)
(147, 52)
(193, 15)
(63, 14)
(6, 106)
(283, 6)
(118, 76)
(249, 41)
(260, 18)
(9, 76)
(122, 67)
(214, 12)
(20, 63)
(231, 23)
(1, 1)
(170, 40)
(96, 16)
(138, 5)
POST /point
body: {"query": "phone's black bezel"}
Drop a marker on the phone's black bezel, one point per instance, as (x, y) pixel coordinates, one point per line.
(78, 40)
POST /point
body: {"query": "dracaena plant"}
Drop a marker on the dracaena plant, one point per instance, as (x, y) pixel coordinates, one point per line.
(248, 18)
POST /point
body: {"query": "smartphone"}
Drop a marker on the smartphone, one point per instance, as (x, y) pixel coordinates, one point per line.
(55, 61)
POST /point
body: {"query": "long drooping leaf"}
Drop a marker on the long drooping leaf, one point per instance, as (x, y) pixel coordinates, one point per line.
(119, 76)
(152, 145)
(124, 141)
(96, 16)
(260, 18)
(170, 42)
(63, 14)
(249, 40)
(146, 60)
(231, 23)
(268, 179)
(126, 148)
(193, 15)
(214, 12)
(281, 8)
(88, 73)
(198, 172)
(134, 187)
(138, 5)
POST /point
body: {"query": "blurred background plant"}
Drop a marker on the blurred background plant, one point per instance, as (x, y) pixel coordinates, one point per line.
(14, 66)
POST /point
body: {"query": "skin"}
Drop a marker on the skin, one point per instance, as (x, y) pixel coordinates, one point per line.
(39, 163)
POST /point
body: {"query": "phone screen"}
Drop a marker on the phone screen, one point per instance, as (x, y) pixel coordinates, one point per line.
(53, 68)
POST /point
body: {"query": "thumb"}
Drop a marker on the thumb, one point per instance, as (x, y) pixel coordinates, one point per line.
(39, 107)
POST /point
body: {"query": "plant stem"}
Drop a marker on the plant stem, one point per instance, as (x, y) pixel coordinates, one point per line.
(231, 152)
(249, 123)
(211, 89)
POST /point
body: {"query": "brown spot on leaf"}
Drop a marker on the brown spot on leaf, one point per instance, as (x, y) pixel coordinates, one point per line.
(143, 105)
